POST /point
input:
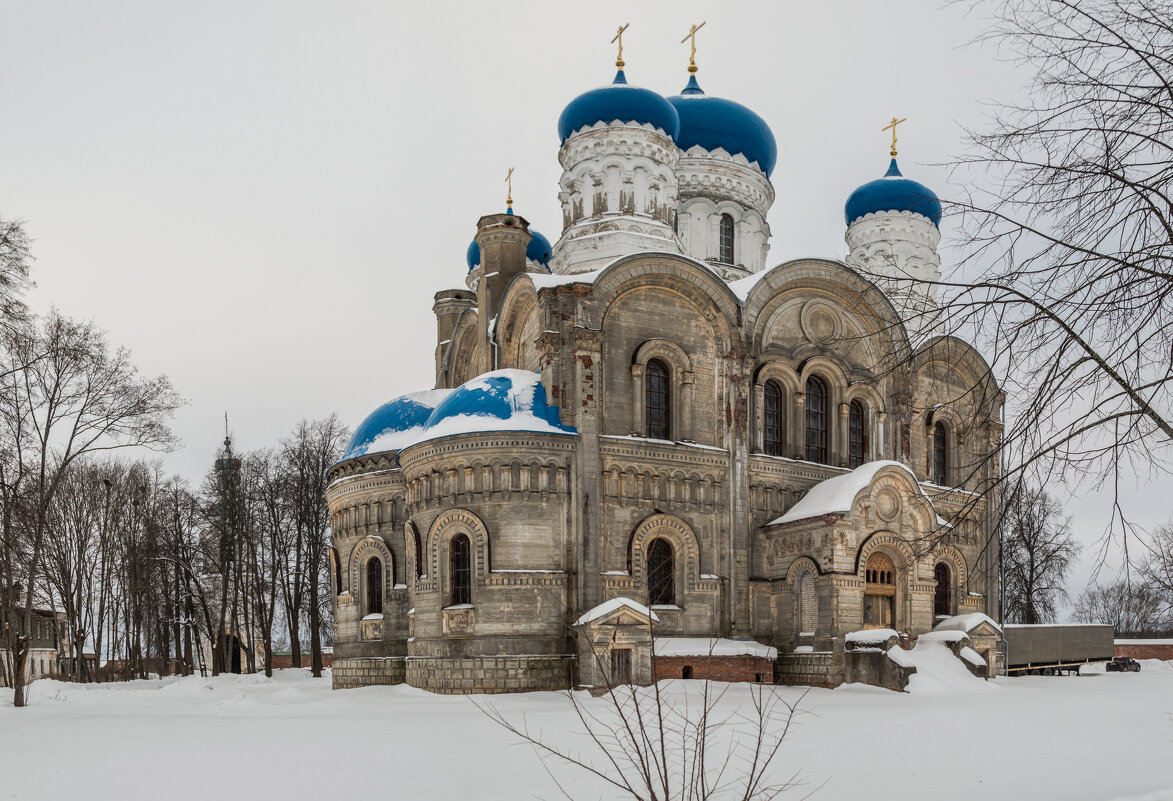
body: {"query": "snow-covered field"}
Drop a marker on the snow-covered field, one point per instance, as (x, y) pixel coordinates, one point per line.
(1101, 736)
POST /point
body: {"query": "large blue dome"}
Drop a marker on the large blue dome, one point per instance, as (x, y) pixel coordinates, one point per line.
(714, 122)
(893, 192)
(394, 423)
(618, 102)
(538, 250)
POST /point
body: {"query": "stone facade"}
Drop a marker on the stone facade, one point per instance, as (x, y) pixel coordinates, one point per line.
(703, 398)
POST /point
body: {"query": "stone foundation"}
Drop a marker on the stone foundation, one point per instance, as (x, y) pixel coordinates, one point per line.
(815, 669)
(365, 671)
(489, 674)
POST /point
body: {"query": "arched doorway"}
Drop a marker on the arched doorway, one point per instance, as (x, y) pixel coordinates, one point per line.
(879, 599)
(943, 594)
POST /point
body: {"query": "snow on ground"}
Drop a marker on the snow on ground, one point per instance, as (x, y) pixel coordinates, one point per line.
(1089, 738)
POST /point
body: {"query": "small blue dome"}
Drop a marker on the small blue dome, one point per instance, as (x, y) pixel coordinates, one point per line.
(618, 102)
(538, 250)
(893, 192)
(503, 400)
(393, 422)
(714, 122)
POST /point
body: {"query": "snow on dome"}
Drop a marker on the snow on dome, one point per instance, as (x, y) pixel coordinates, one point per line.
(615, 604)
(503, 400)
(618, 102)
(714, 122)
(834, 496)
(893, 192)
(965, 623)
(394, 424)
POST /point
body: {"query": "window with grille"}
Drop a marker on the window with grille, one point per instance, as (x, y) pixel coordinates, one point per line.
(374, 586)
(940, 454)
(816, 420)
(661, 584)
(772, 419)
(460, 554)
(726, 239)
(857, 442)
(656, 399)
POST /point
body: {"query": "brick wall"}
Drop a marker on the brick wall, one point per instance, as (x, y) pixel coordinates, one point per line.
(755, 669)
(1145, 650)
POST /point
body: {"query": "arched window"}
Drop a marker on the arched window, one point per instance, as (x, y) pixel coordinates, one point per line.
(879, 601)
(374, 586)
(943, 595)
(816, 420)
(337, 565)
(856, 439)
(772, 419)
(808, 604)
(419, 554)
(940, 454)
(661, 581)
(460, 557)
(656, 410)
(726, 239)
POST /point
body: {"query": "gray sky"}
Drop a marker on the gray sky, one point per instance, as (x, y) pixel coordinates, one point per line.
(260, 199)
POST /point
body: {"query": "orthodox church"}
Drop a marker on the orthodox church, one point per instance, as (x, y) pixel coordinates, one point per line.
(653, 450)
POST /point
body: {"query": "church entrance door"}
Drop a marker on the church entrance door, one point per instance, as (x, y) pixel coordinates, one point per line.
(879, 600)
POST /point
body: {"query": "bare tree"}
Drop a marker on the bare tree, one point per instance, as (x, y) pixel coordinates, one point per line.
(1157, 568)
(1135, 609)
(1067, 215)
(15, 261)
(1038, 550)
(73, 396)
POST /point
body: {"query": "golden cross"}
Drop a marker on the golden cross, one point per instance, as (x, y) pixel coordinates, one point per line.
(619, 38)
(509, 180)
(692, 56)
(893, 125)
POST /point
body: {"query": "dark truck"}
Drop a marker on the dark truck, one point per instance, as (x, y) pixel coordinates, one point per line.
(1056, 648)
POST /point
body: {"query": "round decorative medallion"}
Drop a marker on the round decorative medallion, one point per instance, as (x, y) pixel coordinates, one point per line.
(887, 505)
(820, 322)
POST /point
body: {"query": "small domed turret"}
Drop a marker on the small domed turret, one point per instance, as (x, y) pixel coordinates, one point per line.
(893, 192)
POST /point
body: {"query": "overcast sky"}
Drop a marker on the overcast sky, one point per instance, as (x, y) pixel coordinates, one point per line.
(260, 199)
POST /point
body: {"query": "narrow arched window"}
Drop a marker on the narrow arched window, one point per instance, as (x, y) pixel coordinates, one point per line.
(808, 604)
(656, 409)
(879, 607)
(943, 595)
(726, 239)
(460, 558)
(374, 586)
(856, 438)
(419, 554)
(940, 454)
(772, 419)
(816, 420)
(661, 583)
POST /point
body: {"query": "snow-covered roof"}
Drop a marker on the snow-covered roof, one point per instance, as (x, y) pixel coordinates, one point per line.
(871, 636)
(709, 646)
(615, 604)
(966, 623)
(552, 280)
(835, 495)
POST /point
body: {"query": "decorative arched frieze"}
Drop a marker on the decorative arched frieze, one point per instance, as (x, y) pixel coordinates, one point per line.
(956, 562)
(893, 545)
(800, 564)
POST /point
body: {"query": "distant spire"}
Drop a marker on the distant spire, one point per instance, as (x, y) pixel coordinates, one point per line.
(619, 38)
(892, 126)
(692, 56)
(227, 439)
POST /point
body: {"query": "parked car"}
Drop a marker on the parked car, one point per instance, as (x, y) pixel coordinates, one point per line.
(1122, 664)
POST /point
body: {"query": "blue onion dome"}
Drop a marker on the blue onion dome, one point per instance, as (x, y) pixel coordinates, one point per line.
(502, 400)
(714, 122)
(618, 102)
(394, 424)
(538, 249)
(893, 192)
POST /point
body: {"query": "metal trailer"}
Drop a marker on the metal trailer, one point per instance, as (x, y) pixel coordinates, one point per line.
(1055, 648)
